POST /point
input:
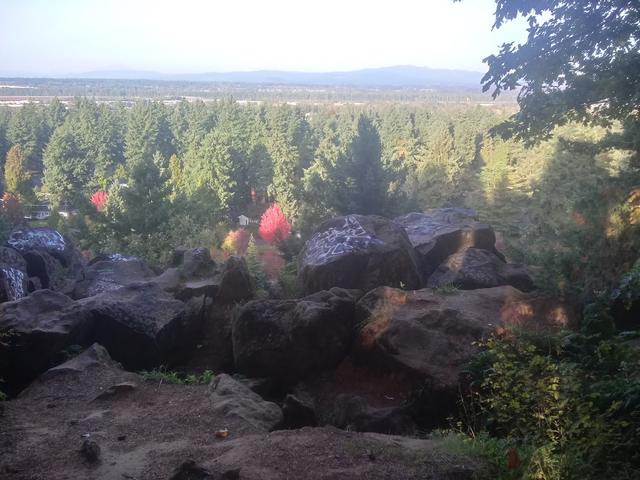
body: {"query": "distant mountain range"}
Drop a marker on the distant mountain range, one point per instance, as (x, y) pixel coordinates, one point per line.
(397, 76)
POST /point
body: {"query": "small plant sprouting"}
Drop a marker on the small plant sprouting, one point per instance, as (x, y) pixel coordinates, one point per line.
(172, 377)
(446, 289)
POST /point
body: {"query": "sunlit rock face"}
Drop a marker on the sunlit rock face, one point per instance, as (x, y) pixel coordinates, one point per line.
(13, 275)
(360, 252)
(438, 233)
(24, 239)
(430, 335)
(475, 268)
(52, 261)
(110, 272)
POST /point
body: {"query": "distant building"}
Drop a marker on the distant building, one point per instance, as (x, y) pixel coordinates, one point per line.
(244, 221)
(37, 212)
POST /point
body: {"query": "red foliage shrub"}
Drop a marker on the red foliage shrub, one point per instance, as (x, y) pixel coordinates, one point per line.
(12, 208)
(99, 200)
(274, 226)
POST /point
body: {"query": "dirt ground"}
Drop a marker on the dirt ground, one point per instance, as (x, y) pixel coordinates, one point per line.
(148, 430)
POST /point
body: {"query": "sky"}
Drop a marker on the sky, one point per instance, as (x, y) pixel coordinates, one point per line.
(62, 37)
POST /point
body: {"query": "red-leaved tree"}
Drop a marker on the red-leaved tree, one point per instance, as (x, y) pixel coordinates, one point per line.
(274, 226)
(99, 200)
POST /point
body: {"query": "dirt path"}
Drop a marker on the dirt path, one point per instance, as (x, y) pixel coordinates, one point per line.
(148, 430)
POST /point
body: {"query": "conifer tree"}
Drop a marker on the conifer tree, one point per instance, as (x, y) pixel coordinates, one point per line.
(17, 178)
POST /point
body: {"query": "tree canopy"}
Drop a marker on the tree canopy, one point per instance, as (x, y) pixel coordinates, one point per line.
(580, 62)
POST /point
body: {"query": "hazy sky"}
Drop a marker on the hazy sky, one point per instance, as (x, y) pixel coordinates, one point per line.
(187, 36)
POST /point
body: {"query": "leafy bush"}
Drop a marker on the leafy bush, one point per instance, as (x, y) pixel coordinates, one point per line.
(5, 228)
(494, 451)
(628, 290)
(288, 280)
(236, 242)
(274, 226)
(99, 200)
(174, 378)
(571, 398)
(254, 264)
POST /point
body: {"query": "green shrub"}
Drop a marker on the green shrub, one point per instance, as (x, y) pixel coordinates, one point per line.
(492, 450)
(572, 398)
(162, 375)
(288, 280)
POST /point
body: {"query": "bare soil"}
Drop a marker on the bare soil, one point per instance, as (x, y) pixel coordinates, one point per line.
(149, 431)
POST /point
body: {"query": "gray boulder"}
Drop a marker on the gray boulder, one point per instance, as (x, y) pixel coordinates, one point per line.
(235, 282)
(290, 339)
(352, 412)
(140, 325)
(25, 239)
(429, 336)
(197, 263)
(50, 257)
(475, 268)
(233, 399)
(40, 326)
(13, 275)
(359, 252)
(108, 272)
(438, 233)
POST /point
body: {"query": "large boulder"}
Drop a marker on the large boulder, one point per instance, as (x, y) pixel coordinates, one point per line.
(475, 268)
(49, 272)
(52, 260)
(140, 324)
(108, 272)
(193, 274)
(13, 275)
(352, 412)
(430, 336)
(196, 263)
(438, 233)
(290, 339)
(232, 399)
(359, 252)
(39, 327)
(25, 239)
(235, 282)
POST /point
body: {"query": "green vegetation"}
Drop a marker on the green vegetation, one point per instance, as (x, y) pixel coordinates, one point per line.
(492, 450)
(161, 375)
(567, 402)
(579, 63)
(446, 289)
(180, 175)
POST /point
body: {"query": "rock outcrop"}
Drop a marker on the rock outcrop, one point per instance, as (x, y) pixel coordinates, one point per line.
(358, 252)
(139, 324)
(25, 239)
(352, 412)
(235, 282)
(438, 233)
(39, 326)
(473, 268)
(231, 398)
(52, 262)
(13, 275)
(109, 272)
(290, 339)
(430, 336)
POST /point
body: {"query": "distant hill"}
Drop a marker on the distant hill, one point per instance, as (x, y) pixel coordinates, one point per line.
(397, 76)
